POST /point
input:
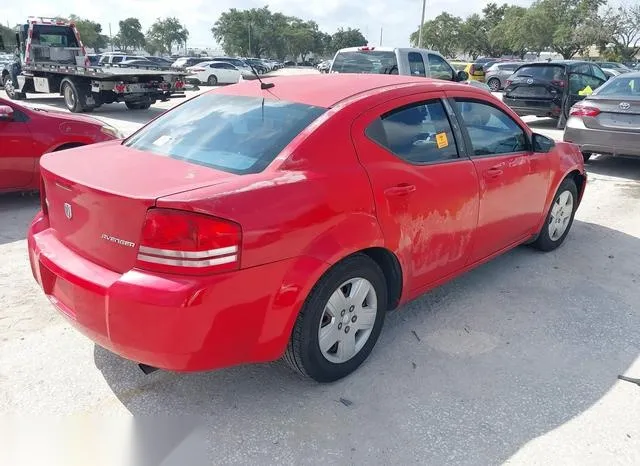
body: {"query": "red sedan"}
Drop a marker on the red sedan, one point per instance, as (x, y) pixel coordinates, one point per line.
(26, 134)
(254, 223)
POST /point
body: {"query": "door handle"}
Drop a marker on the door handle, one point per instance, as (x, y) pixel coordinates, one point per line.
(494, 172)
(403, 189)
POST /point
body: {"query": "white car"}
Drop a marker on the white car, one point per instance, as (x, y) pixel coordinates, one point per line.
(213, 73)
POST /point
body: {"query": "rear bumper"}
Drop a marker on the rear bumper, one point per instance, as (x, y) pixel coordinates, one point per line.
(534, 108)
(173, 322)
(601, 141)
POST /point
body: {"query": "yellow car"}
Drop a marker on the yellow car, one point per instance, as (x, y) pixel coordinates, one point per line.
(474, 74)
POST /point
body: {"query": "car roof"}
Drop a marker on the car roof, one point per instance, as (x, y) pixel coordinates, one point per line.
(328, 90)
(386, 49)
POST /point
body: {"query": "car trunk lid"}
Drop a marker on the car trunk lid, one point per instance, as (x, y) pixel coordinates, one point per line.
(97, 197)
(619, 114)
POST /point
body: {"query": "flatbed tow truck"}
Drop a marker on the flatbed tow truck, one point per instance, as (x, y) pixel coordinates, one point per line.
(50, 58)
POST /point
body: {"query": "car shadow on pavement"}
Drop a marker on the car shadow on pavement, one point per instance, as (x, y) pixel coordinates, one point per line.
(467, 374)
(16, 212)
(116, 110)
(622, 167)
(543, 123)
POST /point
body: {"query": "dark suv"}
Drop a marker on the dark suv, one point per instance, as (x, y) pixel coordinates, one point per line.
(549, 89)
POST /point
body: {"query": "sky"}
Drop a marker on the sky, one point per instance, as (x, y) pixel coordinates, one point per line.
(397, 18)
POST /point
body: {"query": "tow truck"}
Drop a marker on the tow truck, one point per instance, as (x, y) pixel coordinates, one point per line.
(51, 58)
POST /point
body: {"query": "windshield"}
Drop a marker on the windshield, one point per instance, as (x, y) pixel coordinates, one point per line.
(620, 87)
(546, 73)
(237, 134)
(372, 62)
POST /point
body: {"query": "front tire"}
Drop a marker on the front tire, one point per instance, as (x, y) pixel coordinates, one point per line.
(212, 80)
(138, 105)
(560, 217)
(340, 321)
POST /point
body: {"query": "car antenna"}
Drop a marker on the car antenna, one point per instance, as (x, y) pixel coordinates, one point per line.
(264, 86)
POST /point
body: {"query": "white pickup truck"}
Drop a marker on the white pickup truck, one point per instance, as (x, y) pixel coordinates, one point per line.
(52, 59)
(402, 61)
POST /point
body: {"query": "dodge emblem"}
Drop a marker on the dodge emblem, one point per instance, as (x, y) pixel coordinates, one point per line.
(68, 212)
(625, 105)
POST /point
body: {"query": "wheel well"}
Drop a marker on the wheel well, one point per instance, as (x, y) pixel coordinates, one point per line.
(68, 145)
(390, 266)
(579, 179)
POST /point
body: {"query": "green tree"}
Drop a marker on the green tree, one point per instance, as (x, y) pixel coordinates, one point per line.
(510, 34)
(625, 31)
(130, 35)
(7, 39)
(344, 38)
(248, 32)
(441, 34)
(90, 32)
(569, 24)
(165, 33)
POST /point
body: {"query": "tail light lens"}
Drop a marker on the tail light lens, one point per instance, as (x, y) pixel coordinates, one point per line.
(584, 110)
(181, 242)
(196, 70)
(557, 82)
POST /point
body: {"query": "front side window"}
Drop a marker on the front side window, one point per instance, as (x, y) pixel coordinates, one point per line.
(416, 64)
(580, 84)
(117, 59)
(491, 131)
(418, 134)
(236, 134)
(598, 73)
(439, 68)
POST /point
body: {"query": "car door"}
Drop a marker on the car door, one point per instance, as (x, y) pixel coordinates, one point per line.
(17, 151)
(231, 73)
(425, 187)
(582, 82)
(513, 180)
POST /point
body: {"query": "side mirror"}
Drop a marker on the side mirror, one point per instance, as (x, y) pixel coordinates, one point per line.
(542, 143)
(462, 76)
(6, 113)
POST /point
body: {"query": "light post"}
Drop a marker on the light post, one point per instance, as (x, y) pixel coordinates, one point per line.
(424, 5)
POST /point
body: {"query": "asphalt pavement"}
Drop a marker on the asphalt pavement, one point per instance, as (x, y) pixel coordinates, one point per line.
(515, 362)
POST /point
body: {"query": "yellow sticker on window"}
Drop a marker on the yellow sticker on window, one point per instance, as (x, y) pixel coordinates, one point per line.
(441, 140)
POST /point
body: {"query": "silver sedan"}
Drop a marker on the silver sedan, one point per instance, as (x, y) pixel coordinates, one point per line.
(608, 121)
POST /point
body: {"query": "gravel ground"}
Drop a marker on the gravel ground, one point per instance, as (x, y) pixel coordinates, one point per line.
(516, 362)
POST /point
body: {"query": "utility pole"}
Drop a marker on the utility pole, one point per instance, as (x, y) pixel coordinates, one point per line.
(110, 37)
(424, 5)
(249, 27)
(380, 36)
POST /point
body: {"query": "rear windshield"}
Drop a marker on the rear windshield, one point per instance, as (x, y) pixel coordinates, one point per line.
(545, 72)
(370, 62)
(236, 134)
(621, 87)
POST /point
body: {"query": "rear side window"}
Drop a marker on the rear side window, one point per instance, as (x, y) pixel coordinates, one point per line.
(508, 67)
(418, 134)
(117, 59)
(237, 134)
(546, 73)
(416, 64)
(369, 62)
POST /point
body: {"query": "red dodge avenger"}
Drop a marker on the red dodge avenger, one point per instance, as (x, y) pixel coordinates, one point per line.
(282, 220)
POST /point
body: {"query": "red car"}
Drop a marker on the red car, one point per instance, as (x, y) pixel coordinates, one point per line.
(26, 134)
(253, 223)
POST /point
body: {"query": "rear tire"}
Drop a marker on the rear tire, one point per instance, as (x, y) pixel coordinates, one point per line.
(138, 105)
(73, 97)
(560, 217)
(212, 80)
(494, 84)
(349, 331)
(7, 84)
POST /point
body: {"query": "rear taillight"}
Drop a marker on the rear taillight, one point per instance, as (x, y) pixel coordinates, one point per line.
(196, 70)
(181, 242)
(584, 110)
(557, 82)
